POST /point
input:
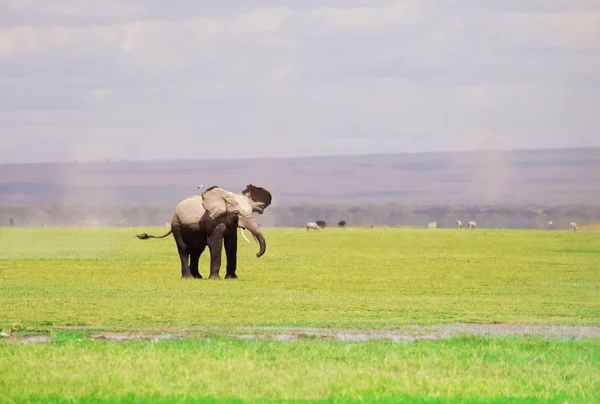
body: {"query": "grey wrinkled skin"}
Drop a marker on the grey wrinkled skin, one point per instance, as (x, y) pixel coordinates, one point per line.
(212, 219)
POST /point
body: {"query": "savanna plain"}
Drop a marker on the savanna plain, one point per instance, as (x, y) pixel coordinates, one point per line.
(114, 322)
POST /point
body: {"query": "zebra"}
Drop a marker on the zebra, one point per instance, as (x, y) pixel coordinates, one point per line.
(472, 224)
(459, 224)
(574, 226)
(432, 225)
(312, 225)
(550, 224)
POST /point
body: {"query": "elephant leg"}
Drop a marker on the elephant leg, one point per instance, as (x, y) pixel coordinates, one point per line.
(194, 260)
(231, 252)
(215, 245)
(185, 269)
(183, 256)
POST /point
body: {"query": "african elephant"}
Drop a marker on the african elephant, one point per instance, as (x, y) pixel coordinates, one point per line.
(312, 225)
(211, 218)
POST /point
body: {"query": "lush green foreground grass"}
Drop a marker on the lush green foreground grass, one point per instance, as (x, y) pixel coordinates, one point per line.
(477, 369)
(336, 277)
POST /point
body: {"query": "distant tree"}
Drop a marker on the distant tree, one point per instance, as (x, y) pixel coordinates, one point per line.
(321, 223)
(342, 223)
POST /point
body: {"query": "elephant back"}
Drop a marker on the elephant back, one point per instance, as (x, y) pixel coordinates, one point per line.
(190, 210)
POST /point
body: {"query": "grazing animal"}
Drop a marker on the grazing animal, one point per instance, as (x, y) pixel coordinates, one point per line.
(459, 224)
(432, 225)
(573, 226)
(212, 219)
(312, 225)
(472, 224)
(550, 224)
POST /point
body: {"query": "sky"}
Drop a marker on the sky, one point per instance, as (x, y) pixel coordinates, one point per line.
(84, 80)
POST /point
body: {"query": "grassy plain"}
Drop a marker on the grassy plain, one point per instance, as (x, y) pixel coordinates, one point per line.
(368, 278)
(336, 277)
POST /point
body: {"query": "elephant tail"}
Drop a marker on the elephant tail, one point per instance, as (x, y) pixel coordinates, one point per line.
(145, 236)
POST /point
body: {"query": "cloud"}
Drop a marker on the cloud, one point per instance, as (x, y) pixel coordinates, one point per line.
(283, 78)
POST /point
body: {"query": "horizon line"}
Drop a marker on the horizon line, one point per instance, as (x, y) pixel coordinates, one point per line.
(111, 161)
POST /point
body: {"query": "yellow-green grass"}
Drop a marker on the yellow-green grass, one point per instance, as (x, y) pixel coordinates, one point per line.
(332, 278)
(513, 370)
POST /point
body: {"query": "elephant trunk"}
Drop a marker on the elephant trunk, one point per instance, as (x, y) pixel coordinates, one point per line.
(262, 243)
(250, 224)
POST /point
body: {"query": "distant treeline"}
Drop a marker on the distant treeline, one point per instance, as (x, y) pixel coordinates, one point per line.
(512, 217)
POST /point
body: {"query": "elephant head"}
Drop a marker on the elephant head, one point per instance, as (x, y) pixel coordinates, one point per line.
(239, 207)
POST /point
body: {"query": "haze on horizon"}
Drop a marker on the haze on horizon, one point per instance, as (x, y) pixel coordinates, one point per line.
(147, 80)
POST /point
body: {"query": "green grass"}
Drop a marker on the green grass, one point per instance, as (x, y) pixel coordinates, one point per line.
(369, 278)
(464, 369)
(336, 277)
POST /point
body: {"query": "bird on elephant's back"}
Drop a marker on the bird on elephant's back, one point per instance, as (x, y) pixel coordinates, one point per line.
(212, 219)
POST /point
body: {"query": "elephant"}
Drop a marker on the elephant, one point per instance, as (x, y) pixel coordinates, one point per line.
(312, 225)
(472, 224)
(212, 219)
(573, 226)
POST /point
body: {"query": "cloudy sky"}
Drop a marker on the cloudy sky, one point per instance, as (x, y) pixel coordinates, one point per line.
(84, 80)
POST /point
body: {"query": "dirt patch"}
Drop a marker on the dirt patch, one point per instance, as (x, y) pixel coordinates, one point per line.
(403, 334)
(140, 336)
(25, 339)
(590, 227)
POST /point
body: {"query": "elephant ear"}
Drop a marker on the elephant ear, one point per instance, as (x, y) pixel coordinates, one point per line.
(217, 201)
(260, 197)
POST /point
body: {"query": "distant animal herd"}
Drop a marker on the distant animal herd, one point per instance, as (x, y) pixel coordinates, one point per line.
(319, 224)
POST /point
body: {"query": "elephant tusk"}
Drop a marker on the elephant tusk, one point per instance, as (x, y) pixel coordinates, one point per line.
(244, 235)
